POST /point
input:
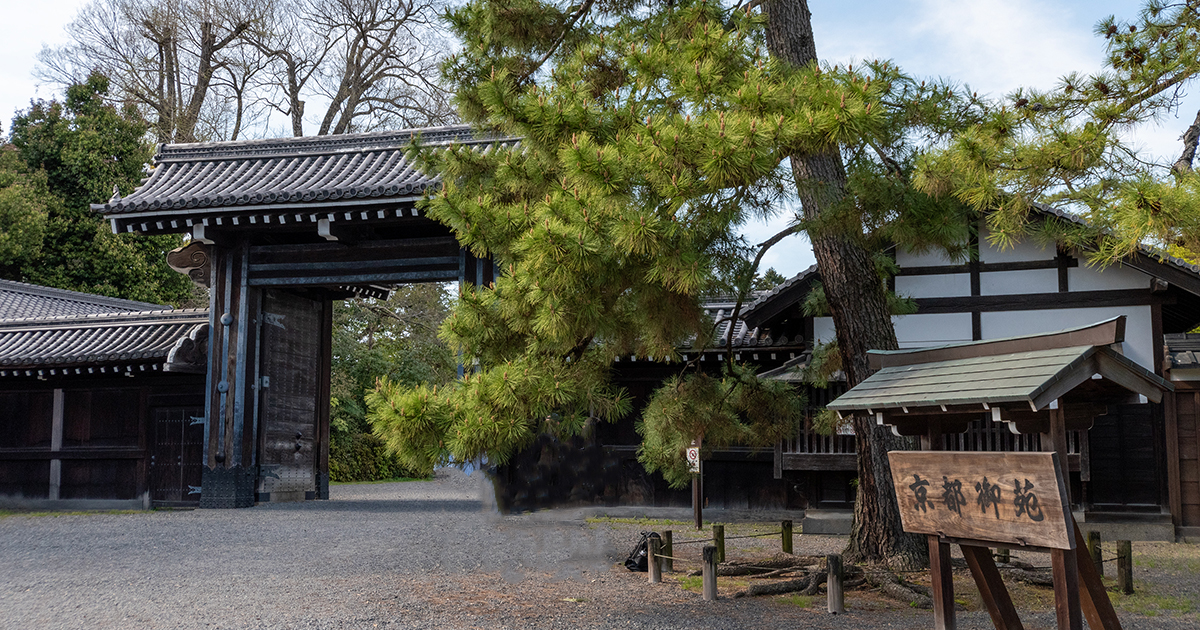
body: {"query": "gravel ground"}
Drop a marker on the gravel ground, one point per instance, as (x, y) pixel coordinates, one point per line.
(424, 555)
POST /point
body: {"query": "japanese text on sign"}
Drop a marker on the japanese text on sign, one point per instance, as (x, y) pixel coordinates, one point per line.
(1015, 498)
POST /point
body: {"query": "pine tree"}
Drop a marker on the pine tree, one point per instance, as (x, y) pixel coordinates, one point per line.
(647, 135)
(1068, 147)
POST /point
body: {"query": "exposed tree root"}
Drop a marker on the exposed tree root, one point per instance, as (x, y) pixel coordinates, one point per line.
(895, 587)
(1025, 572)
(778, 564)
(808, 585)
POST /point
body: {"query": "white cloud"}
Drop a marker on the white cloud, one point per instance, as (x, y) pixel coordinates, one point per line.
(998, 45)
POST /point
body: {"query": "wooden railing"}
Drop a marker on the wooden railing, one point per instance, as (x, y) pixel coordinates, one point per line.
(810, 450)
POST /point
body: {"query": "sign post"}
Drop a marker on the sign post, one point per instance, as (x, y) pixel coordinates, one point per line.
(982, 500)
(694, 465)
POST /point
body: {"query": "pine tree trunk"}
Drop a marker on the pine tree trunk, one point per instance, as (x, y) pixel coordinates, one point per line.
(858, 302)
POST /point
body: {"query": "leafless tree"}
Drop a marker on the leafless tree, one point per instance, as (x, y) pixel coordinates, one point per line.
(161, 54)
(386, 68)
(218, 69)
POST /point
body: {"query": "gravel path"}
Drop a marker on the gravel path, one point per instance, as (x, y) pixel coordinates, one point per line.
(403, 555)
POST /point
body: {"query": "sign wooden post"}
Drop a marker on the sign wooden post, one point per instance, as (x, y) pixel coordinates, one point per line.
(697, 484)
(982, 500)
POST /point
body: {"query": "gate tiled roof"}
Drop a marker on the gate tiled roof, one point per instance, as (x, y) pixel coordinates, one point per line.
(290, 177)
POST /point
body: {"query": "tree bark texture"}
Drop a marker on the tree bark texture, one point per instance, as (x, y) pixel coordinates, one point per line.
(858, 303)
(1190, 138)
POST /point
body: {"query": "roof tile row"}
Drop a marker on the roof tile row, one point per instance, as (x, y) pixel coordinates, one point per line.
(95, 339)
(292, 171)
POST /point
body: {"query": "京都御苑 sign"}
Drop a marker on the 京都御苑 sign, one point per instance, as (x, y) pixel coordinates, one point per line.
(1012, 498)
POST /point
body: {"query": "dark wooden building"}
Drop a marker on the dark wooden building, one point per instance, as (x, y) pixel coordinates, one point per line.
(98, 400)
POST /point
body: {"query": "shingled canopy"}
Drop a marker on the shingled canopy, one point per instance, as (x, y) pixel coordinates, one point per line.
(1018, 380)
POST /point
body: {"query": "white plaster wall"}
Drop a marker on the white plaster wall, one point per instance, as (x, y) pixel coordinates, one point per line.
(913, 331)
(1018, 282)
(932, 258)
(916, 331)
(1084, 278)
(1139, 342)
(941, 285)
(1027, 249)
(823, 329)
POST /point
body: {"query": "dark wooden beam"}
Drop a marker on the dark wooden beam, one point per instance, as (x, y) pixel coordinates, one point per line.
(1034, 301)
(941, 575)
(73, 454)
(818, 461)
(1024, 265)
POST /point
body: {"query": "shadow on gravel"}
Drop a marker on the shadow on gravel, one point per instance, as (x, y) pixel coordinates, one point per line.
(377, 505)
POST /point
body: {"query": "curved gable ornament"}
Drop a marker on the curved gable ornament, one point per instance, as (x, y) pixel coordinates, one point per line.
(190, 352)
(193, 260)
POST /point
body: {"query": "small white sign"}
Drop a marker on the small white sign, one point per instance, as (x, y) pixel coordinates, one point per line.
(693, 459)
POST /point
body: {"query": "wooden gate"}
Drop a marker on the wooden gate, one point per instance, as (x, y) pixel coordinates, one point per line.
(176, 463)
(292, 335)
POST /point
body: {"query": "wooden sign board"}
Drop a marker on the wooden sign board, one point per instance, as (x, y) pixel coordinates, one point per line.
(1010, 498)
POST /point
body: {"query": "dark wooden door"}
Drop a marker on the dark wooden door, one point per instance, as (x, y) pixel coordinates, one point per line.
(1126, 460)
(176, 460)
(290, 351)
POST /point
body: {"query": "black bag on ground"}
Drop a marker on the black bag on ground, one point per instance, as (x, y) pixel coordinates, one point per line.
(637, 560)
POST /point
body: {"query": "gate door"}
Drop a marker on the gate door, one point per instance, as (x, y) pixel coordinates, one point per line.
(290, 360)
(176, 461)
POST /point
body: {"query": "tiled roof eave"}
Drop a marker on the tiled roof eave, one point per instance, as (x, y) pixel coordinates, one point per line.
(93, 368)
(249, 209)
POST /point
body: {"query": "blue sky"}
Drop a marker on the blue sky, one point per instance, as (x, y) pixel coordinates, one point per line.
(994, 46)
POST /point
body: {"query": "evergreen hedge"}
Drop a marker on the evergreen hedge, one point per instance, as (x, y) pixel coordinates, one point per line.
(363, 457)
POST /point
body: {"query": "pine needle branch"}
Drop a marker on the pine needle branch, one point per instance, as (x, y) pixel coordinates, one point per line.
(583, 10)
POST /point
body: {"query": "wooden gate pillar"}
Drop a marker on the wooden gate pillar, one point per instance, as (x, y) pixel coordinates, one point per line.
(230, 469)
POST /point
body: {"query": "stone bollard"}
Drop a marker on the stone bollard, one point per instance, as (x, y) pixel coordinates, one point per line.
(836, 596)
(709, 573)
(786, 542)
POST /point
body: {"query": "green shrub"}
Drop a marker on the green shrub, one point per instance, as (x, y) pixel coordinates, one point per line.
(363, 457)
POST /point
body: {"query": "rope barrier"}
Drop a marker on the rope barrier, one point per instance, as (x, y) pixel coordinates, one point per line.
(673, 558)
(700, 540)
(754, 535)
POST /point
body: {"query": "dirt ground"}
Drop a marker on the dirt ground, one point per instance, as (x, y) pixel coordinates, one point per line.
(1166, 576)
(434, 555)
